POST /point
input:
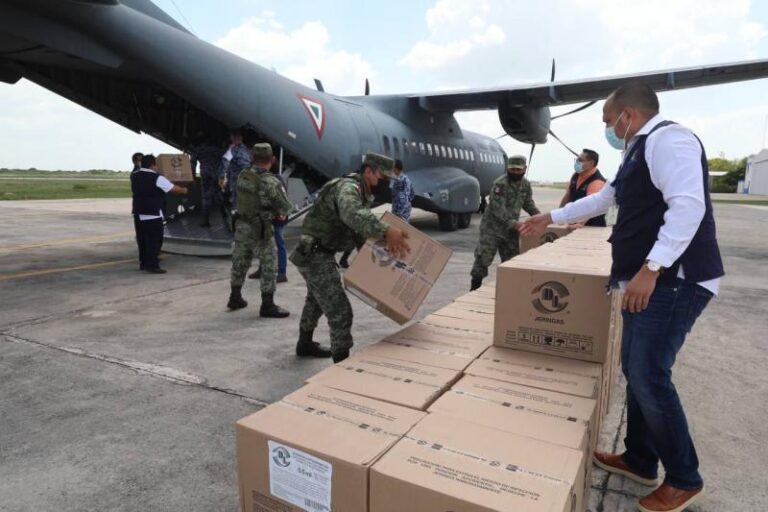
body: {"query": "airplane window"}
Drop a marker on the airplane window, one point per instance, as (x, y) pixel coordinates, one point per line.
(444, 152)
(386, 144)
(455, 153)
(429, 149)
(472, 154)
(461, 154)
(405, 146)
(422, 150)
(396, 145)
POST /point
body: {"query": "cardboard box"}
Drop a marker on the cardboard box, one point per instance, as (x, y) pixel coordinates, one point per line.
(415, 351)
(486, 401)
(552, 233)
(561, 310)
(459, 325)
(397, 287)
(467, 313)
(572, 377)
(442, 334)
(176, 168)
(313, 450)
(446, 464)
(399, 382)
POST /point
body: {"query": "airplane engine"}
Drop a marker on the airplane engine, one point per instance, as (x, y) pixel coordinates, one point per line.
(526, 124)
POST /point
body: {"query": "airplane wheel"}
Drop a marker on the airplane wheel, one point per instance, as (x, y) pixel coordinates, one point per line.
(448, 221)
(464, 220)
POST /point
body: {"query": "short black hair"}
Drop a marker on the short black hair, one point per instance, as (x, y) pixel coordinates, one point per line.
(592, 155)
(638, 95)
(137, 156)
(148, 161)
(399, 165)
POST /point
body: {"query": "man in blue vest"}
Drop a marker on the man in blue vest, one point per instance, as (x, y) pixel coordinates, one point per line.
(149, 189)
(667, 261)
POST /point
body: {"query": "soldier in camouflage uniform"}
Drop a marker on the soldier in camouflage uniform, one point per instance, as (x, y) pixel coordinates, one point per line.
(339, 220)
(509, 194)
(241, 159)
(262, 200)
(208, 155)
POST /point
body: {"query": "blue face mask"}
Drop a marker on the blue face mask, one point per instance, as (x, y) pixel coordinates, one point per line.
(614, 140)
(578, 166)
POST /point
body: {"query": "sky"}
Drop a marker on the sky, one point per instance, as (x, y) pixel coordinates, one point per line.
(428, 45)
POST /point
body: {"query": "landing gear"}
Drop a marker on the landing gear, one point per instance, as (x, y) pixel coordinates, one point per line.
(453, 221)
(448, 221)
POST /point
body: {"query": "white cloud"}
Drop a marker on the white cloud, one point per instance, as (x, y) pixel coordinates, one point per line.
(302, 54)
(446, 19)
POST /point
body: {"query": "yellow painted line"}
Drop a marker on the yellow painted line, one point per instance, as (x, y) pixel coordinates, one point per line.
(65, 241)
(36, 273)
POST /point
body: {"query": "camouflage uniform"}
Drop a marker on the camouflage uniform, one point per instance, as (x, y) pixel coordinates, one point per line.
(262, 198)
(241, 159)
(497, 229)
(209, 158)
(402, 195)
(339, 220)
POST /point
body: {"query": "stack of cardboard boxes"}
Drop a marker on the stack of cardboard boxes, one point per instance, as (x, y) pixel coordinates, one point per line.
(493, 403)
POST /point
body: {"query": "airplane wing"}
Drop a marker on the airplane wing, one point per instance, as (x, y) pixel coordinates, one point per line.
(575, 91)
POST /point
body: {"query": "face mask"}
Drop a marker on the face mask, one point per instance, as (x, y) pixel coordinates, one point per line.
(514, 177)
(614, 140)
(578, 166)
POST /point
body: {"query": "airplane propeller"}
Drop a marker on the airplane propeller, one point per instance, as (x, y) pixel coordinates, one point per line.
(367, 87)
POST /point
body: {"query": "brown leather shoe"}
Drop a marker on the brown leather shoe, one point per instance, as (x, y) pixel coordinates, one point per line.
(613, 463)
(669, 499)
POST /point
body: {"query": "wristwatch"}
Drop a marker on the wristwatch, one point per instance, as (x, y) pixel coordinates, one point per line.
(653, 266)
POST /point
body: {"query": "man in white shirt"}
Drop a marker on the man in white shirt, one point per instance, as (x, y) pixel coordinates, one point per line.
(149, 189)
(667, 262)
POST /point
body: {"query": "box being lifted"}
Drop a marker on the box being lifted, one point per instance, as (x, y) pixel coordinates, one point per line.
(176, 168)
(397, 287)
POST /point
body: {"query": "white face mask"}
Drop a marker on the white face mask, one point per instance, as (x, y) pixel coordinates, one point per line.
(614, 140)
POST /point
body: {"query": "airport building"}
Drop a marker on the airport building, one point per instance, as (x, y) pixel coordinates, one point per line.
(756, 178)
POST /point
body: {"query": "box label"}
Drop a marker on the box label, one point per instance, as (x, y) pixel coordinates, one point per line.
(299, 478)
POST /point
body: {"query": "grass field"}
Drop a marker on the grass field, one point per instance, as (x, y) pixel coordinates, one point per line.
(70, 188)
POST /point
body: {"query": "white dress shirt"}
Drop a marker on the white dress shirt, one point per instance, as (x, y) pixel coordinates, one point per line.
(673, 155)
(164, 185)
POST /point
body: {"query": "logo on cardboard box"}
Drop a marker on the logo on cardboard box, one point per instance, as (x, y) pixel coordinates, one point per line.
(551, 297)
(548, 237)
(281, 456)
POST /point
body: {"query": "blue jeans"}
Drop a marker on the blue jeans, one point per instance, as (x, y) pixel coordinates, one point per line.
(657, 429)
(282, 253)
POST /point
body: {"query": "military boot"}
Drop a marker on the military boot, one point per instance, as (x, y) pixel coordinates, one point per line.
(476, 283)
(340, 355)
(205, 221)
(308, 348)
(236, 300)
(269, 309)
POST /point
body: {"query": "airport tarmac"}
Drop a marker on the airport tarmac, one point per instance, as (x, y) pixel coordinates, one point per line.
(119, 389)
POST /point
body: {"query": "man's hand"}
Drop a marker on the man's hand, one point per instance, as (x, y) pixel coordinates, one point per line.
(534, 225)
(396, 242)
(639, 291)
(222, 183)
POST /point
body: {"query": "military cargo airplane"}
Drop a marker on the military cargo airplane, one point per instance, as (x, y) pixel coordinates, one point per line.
(132, 63)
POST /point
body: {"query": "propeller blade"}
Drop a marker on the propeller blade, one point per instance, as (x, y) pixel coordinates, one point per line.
(530, 158)
(502, 136)
(563, 143)
(552, 76)
(585, 106)
(367, 87)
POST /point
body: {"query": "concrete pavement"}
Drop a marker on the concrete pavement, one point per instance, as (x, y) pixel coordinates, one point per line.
(119, 389)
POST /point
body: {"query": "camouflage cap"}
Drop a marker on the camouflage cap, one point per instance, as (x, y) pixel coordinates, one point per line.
(517, 162)
(383, 163)
(262, 150)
